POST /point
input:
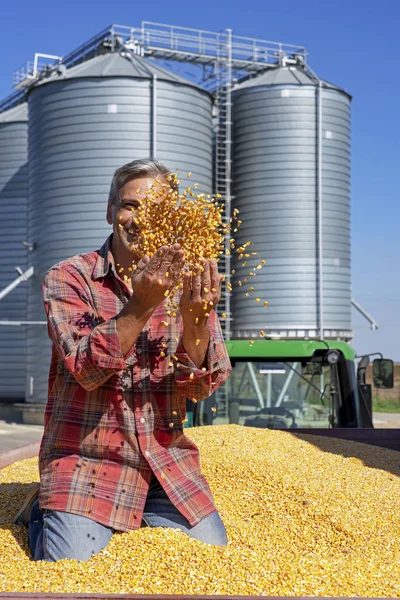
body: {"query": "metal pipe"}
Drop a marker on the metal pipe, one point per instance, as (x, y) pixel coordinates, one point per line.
(371, 320)
(19, 323)
(319, 202)
(23, 277)
(286, 384)
(154, 116)
(255, 383)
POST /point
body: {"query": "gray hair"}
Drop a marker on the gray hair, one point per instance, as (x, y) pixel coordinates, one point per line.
(134, 170)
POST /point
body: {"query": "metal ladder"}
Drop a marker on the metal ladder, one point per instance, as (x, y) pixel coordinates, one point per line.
(223, 162)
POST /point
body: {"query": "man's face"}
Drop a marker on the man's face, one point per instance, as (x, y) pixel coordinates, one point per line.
(120, 214)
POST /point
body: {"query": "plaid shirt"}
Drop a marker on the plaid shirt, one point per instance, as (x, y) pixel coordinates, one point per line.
(111, 422)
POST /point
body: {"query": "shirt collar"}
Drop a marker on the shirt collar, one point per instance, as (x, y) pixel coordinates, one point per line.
(105, 261)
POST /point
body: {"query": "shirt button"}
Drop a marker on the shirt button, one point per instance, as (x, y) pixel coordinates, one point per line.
(143, 420)
(162, 476)
(147, 453)
(139, 351)
(140, 385)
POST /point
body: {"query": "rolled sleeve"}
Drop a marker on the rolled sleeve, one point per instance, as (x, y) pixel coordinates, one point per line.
(204, 383)
(90, 350)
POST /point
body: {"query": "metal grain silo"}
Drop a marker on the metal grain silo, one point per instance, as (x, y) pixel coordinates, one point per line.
(291, 183)
(84, 123)
(13, 231)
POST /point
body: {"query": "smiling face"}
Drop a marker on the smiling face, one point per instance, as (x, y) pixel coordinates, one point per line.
(120, 215)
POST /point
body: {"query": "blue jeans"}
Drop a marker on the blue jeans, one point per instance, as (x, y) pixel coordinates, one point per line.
(54, 535)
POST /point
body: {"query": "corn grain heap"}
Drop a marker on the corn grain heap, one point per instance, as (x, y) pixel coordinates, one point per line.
(305, 516)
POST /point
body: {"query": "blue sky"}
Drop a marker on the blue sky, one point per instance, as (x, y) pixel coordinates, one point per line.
(351, 43)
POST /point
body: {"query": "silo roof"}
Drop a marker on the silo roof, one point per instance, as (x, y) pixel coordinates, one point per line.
(285, 76)
(17, 113)
(114, 64)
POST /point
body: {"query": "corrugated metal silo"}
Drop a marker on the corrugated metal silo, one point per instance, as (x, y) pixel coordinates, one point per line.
(13, 231)
(276, 185)
(85, 123)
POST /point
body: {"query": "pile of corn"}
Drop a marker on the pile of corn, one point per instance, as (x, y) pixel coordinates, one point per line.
(305, 515)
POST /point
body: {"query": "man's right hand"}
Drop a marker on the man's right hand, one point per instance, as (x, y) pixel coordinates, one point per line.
(149, 284)
(156, 277)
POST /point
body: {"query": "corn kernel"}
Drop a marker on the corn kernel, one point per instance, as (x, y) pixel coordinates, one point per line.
(294, 532)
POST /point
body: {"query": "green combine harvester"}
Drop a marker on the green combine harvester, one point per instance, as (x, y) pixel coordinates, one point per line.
(308, 385)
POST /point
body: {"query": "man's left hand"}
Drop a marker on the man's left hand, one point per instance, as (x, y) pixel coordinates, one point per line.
(201, 293)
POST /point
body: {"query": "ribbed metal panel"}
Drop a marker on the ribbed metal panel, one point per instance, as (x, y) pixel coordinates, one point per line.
(275, 189)
(13, 224)
(83, 128)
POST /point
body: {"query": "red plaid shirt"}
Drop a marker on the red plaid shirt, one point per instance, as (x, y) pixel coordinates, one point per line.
(111, 421)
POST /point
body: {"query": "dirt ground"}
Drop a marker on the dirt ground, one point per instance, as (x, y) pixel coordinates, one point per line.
(386, 420)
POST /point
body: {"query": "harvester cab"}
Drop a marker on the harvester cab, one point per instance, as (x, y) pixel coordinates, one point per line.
(295, 384)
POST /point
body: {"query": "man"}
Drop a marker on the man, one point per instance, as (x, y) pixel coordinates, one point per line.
(113, 456)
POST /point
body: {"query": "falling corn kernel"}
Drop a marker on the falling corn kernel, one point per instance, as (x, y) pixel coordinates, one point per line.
(121, 217)
(262, 333)
(247, 294)
(196, 320)
(166, 293)
(262, 262)
(251, 342)
(206, 290)
(213, 409)
(174, 412)
(191, 376)
(189, 174)
(206, 314)
(120, 226)
(244, 264)
(258, 299)
(265, 303)
(204, 369)
(259, 267)
(194, 400)
(134, 267)
(223, 315)
(239, 283)
(197, 342)
(160, 282)
(167, 274)
(251, 289)
(213, 290)
(233, 271)
(120, 270)
(176, 339)
(171, 424)
(170, 364)
(162, 354)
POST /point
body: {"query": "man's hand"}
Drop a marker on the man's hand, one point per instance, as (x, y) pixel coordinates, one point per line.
(151, 281)
(154, 278)
(200, 295)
